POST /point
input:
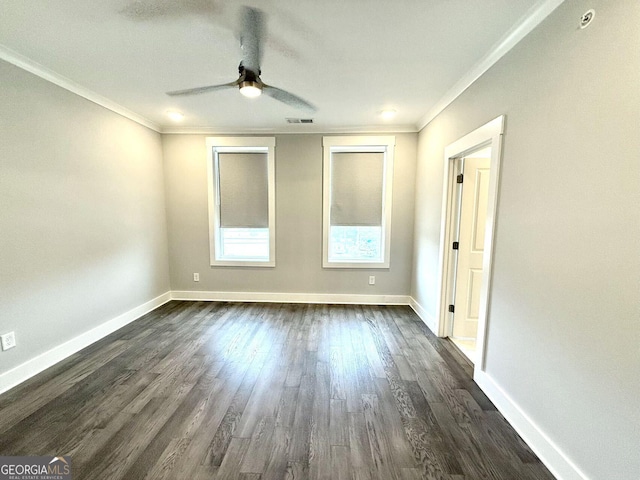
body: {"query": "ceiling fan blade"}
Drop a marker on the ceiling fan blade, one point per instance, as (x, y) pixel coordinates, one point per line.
(199, 90)
(288, 98)
(251, 38)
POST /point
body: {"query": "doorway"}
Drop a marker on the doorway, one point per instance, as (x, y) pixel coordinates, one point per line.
(471, 190)
(468, 219)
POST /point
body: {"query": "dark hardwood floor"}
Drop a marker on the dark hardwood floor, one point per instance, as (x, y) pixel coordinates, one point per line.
(206, 390)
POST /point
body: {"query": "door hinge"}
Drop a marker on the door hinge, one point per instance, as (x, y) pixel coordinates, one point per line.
(455, 245)
(452, 309)
(459, 178)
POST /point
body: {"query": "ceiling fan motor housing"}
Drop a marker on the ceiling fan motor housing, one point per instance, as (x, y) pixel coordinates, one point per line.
(247, 74)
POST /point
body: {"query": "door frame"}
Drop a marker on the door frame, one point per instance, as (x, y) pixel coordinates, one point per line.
(488, 135)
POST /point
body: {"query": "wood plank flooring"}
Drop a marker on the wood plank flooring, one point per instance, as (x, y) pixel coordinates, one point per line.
(216, 390)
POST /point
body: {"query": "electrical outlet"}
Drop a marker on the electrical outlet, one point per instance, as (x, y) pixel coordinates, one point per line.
(8, 340)
(372, 280)
(196, 277)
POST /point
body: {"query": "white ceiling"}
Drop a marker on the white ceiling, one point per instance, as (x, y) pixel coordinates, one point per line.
(351, 58)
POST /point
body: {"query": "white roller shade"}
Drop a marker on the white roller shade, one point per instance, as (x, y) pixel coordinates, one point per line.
(356, 188)
(243, 190)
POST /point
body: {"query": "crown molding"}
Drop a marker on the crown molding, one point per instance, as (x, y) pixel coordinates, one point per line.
(521, 29)
(532, 19)
(291, 131)
(43, 72)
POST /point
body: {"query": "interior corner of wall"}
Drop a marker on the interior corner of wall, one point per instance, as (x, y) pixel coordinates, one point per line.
(425, 316)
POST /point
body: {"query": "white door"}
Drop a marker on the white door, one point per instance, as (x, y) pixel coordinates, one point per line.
(473, 214)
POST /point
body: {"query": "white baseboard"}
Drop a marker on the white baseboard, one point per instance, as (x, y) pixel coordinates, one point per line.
(49, 358)
(428, 319)
(291, 297)
(548, 452)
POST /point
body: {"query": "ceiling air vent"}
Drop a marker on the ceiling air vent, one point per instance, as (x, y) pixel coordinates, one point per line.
(299, 120)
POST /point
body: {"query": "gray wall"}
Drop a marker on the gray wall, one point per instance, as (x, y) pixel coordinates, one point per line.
(298, 223)
(82, 216)
(564, 326)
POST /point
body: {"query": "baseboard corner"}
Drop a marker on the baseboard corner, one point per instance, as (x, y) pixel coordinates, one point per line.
(427, 318)
(30, 368)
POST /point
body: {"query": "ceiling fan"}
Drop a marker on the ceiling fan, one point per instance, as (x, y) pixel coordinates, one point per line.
(249, 82)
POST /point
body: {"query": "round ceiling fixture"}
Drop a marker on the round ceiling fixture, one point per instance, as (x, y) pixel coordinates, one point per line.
(387, 114)
(175, 116)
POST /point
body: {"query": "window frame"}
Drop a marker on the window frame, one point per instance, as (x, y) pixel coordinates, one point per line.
(216, 145)
(359, 143)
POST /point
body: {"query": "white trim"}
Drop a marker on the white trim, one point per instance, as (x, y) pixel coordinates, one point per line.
(43, 72)
(217, 145)
(532, 19)
(425, 316)
(521, 29)
(32, 367)
(549, 453)
(274, 297)
(490, 134)
(49, 358)
(332, 144)
(479, 136)
(292, 130)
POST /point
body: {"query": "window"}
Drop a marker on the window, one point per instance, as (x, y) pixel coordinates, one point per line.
(241, 178)
(357, 180)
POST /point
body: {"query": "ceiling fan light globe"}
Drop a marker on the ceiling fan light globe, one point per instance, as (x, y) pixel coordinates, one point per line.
(250, 89)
